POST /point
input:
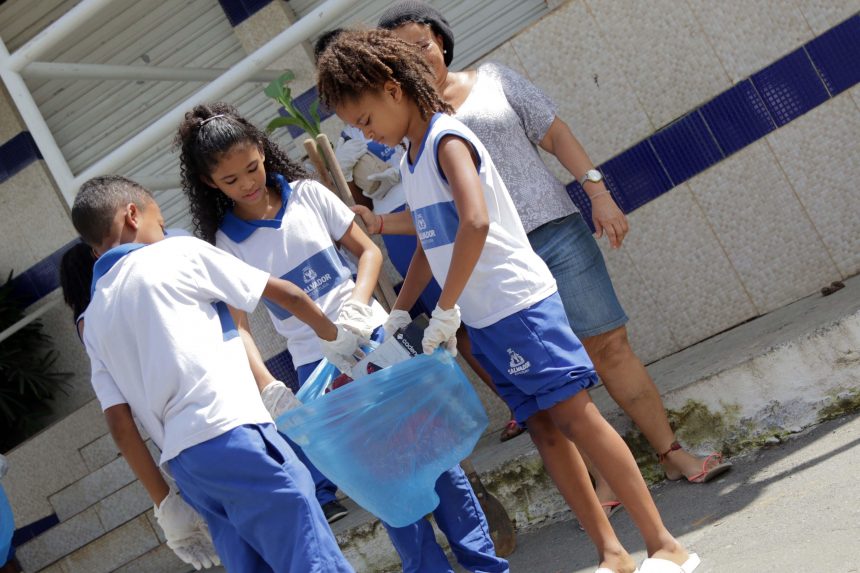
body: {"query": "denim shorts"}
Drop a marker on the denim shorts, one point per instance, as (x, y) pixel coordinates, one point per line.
(572, 255)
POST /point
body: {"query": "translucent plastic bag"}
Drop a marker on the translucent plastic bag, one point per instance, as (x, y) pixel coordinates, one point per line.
(387, 437)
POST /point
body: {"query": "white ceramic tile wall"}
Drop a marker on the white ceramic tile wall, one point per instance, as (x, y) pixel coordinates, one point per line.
(824, 14)
(820, 153)
(265, 25)
(567, 56)
(664, 53)
(681, 262)
(748, 36)
(764, 229)
(72, 357)
(10, 123)
(647, 327)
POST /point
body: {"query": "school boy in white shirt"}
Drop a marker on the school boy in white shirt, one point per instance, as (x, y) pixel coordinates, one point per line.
(162, 345)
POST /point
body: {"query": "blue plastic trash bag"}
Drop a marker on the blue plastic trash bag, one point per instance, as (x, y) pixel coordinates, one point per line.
(316, 384)
(7, 527)
(387, 437)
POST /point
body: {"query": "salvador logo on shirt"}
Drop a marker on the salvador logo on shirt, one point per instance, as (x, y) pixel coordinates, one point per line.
(518, 364)
(317, 275)
(436, 224)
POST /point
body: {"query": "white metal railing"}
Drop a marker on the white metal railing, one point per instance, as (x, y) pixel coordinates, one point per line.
(251, 68)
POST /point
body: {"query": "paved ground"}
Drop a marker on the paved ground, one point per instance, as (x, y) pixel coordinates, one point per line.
(791, 508)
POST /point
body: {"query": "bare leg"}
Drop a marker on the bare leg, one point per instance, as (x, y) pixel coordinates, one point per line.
(630, 385)
(566, 468)
(580, 421)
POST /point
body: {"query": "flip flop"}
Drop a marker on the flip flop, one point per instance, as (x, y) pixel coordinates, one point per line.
(614, 506)
(707, 474)
(511, 430)
(652, 565)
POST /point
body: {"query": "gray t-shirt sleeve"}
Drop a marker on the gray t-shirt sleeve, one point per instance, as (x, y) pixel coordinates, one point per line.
(536, 110)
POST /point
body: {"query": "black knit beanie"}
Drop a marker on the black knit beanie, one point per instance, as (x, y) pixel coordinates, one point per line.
(406, 11)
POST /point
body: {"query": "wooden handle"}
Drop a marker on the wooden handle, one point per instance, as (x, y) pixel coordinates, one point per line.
(384, 291)
(319, 164)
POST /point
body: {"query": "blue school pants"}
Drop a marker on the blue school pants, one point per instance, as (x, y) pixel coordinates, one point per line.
(257, 499)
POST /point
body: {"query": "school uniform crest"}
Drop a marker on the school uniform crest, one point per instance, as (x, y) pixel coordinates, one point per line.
(518, 364)
(308, 274)
(420, 223)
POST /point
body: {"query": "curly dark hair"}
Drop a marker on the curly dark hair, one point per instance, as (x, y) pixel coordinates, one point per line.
(207, 132)
(76, 275)
(360, 61)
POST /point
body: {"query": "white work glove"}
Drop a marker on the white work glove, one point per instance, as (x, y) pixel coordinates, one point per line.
(390, 176)
(348, 152)
(4, 465)
(186, 532)
(357, 318)
(442, 330)
(396, 320)
(277, 398)
(344, 351)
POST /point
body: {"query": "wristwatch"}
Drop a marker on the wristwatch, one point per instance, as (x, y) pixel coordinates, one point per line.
(592, 176)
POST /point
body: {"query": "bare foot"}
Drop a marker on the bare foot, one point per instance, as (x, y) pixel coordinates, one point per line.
(618, 561)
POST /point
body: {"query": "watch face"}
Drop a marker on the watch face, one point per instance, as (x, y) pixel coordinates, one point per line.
(593, 175)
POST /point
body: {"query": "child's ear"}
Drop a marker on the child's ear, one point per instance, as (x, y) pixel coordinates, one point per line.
(208, 181)
(132, 214)
(393, 89)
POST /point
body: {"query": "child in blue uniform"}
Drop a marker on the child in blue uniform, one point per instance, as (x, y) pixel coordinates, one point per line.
(473, 243)
(250, 200)
(162, 345)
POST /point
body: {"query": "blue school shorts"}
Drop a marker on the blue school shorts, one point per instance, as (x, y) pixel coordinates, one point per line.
(534, 358)
(569, 250)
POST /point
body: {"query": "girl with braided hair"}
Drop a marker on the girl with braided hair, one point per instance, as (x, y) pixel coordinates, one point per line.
(250, 200)
(472, 241)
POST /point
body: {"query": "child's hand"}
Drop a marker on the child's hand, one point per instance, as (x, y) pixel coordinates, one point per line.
(442, 330)
(396, 320)
(358, 318)
(344, 350)
(186, 532)
(368, 217)
(277, 398)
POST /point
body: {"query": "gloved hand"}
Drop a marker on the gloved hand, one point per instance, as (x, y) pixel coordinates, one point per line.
(396, 320)
(348, 152)
(277, 398)
(186, 532)
(390, 176)
(357, 318)
(344, 351)
(442, 330)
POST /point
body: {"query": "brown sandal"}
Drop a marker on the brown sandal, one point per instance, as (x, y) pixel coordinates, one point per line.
(707, 474)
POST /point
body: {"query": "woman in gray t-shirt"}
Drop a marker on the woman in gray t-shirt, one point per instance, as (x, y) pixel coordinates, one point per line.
(513, 117)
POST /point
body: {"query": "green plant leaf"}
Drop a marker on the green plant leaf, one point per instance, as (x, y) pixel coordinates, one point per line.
(277, 88)
(315, 113)
(285, 121)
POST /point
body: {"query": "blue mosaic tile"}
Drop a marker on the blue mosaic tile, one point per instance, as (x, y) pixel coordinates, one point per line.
(26, 533)
(23, 289)
(737, 117)
(686, 148)
(16, 154)
(42, 278)
(790, 87)
(281, 367)
(580, 199)
(635, 177)
(836, 55)
(238, 11)
(303, 102)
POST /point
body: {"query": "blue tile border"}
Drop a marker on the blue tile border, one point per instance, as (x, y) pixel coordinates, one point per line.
(16, 154)
(790, 87)
(238, 11)
(686, 147)
(636, 177)
(737, 117)
(836, 55)
(41, 279)
(28, 532)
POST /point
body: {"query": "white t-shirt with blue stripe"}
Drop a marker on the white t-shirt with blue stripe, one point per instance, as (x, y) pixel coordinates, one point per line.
(509, 275)
(298, 245)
